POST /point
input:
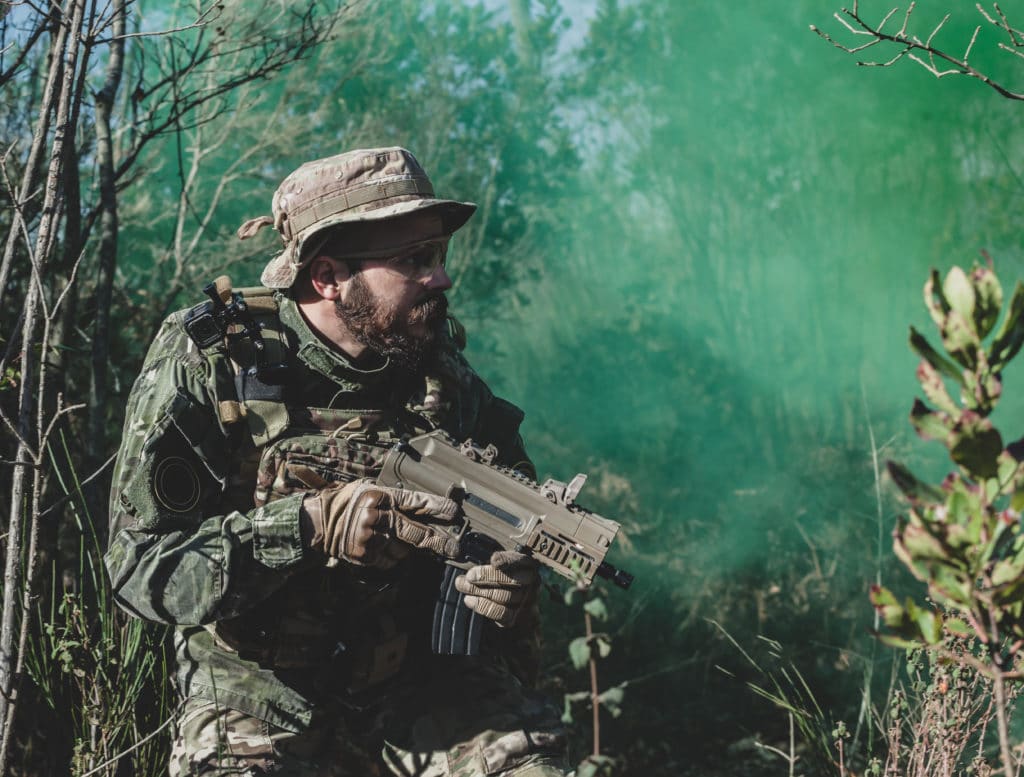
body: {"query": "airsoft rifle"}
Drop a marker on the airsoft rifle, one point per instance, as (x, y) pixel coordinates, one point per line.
(501, 509)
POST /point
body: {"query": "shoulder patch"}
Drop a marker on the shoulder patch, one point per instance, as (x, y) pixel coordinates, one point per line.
(176, 484)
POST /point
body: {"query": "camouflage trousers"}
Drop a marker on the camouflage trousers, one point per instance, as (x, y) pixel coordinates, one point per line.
(453, 723)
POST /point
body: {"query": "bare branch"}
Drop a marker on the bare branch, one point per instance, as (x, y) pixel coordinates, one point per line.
(202, 20)
(925, 53)
(939, 26)
(849, 26)
(59, 414)
(984, 13)
(906, 20)
(1014, 34)
(11, 463)
(887, 63)
(77, 491)
(888, 16)
(931, 68)
(974, 37)
(1013, 51)
(830, 39)
(36, 33)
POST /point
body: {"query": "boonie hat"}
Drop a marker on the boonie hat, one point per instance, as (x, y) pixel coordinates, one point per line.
(365, 185)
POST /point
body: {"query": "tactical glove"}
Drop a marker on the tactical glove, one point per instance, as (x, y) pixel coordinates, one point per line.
(375, 526)
(502, 589)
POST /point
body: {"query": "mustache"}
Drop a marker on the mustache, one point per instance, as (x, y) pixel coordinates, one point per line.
(430, 308)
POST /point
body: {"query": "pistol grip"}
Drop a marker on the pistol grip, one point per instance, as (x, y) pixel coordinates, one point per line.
(457, 628)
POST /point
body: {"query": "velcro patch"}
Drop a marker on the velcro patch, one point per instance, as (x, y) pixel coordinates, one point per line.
(176, 485)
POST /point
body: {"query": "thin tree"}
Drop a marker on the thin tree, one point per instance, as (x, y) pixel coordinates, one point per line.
(61, 247)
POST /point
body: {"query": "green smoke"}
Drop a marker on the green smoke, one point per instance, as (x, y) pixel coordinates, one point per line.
(703, 234)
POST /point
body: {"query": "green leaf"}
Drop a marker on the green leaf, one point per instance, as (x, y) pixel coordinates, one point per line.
(604, 645)
(930, 425)
(988, 299)
(960, 340)
(893, 641)
(915, 490)
(982, 388)
(579, 652)
(929, 623)
(570, 699)
(1010, 470)
(1010, 336)
(612, 699)
(958, 627)
(920, 544)
(964, 509)
(1017, 501)
(950, 587)
(959, 292)
(935, 389)
(923, 348)
(891, 611)
(1007, 571)
(911, 625)
(934, 299)
(881, 596)
(975, 445)
(595, 766)
(597, 609)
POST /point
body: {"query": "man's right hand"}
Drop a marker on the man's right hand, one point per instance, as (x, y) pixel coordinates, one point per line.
(376, 526)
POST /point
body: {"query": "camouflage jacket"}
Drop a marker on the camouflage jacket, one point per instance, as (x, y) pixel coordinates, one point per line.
(204, 525)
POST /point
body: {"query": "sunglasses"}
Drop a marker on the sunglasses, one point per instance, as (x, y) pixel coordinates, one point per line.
(419, 261)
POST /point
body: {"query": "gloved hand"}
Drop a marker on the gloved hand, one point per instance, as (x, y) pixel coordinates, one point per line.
(375, 526)
(502, 589)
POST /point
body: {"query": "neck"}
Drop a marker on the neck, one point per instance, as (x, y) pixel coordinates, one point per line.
(322, 319)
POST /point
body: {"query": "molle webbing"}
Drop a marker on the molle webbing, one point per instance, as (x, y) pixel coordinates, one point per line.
(257, 401)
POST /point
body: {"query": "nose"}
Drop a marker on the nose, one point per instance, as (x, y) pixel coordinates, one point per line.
(438, 280)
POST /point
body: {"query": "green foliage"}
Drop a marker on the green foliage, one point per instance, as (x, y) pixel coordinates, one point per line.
(105, 675)
(584, 653)
(937, 716)
(10, 379)
(963, 538)
(596, 766)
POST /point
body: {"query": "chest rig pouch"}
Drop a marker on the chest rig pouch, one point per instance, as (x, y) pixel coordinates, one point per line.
(335, 615)
(323, 615)
(357, 621)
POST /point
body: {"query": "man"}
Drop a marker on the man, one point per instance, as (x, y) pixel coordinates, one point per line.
(245, 513)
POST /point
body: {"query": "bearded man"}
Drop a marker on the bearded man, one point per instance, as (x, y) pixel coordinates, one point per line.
(245, 511)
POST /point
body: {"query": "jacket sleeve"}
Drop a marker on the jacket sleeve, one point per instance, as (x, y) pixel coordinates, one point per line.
(173, 557)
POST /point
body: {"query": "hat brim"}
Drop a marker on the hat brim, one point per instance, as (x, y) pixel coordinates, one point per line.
(281, 271)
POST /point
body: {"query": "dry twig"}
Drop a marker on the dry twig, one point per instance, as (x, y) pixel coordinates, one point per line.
(924, 52)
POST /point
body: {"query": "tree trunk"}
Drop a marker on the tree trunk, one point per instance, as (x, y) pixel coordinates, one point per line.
(107, 247)
(16, 578)
(520, 12)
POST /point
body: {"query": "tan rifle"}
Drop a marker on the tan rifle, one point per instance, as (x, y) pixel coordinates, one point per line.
(501, 509)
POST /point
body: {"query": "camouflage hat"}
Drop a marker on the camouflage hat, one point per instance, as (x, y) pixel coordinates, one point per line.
(367, 185)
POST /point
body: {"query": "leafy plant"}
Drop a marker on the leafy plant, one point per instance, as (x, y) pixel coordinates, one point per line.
(105, 675)
(963, 537)
(584, 652)
(936, 724)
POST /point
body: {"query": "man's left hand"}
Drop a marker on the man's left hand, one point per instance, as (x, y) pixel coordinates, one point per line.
(502, 589)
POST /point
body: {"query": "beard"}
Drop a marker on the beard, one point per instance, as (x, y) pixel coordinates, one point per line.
(386, 332)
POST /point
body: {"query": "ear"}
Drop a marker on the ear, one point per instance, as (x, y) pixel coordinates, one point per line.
(327, 275)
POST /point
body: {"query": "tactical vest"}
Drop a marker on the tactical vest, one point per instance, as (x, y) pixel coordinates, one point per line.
(364, 623)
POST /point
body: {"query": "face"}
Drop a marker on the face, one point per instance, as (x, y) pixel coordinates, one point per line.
(396, 306)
